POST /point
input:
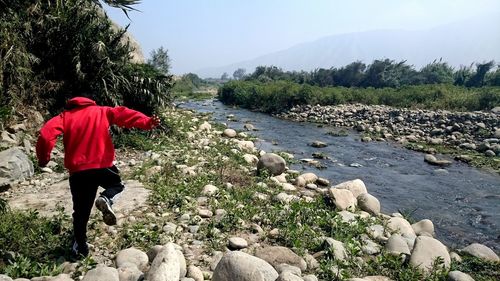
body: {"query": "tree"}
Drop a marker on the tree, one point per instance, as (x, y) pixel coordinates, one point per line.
(160, 60)
(239, 73)
(477, 79)
(224, 76)
(437, 72)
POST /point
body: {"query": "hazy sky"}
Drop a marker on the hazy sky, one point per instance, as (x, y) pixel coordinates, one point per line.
(208, 33)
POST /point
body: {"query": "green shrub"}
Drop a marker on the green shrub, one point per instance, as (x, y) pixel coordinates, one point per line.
(278, 96)
(35, 241)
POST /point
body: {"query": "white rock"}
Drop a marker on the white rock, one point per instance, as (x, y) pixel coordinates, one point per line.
(309, 177)
(396, 245)
(276, 255)
(480, 251)
(237, 243)
(337, 248)
(195, 273)
(356, 186)
(343, 199)
(129, 274)
(402, 226)
(243, 267)
(102, 273)
(289, 268)
(424, 226)
(425, 252)
(251, 159)
(230, 133)
(165, 266)
(369, 203)
(459, 276)
(209, 190)
(310, 278)
(288, 276)
(205, 126)
(133, 256)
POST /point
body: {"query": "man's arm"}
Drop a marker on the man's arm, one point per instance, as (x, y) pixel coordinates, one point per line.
(128, 118)
(47, 139)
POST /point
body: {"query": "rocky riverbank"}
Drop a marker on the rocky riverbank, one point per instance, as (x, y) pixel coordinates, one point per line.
(469, 136)
(221, 209)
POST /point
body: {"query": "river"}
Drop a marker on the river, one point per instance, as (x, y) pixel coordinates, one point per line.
(462, 201)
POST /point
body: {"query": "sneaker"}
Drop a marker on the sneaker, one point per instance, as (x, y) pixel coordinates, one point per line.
(104, 205)
(80, 250)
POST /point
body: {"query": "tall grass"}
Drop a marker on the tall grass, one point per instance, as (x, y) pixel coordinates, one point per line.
(278, 96)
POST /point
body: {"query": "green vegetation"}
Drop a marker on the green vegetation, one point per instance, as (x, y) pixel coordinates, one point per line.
(381, 74)
(52, 50)
(301, 225)
(278, 96)
(32, 243)
(191, 87)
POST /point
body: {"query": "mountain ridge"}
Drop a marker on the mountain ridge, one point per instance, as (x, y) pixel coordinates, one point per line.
(461, 43)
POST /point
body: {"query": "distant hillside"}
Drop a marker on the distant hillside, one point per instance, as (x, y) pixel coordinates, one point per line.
(461, 43)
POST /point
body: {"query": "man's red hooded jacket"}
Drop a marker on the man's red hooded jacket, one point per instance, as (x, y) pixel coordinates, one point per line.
(86, 137)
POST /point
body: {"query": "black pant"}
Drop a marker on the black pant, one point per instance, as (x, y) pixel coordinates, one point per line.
(83, 187)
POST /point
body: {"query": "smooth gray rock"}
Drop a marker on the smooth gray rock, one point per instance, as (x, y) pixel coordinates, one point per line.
(459, 276)
(5, 278)
(431, 159)
(273, 163)
(357, 187)
(397, 245)
(337, 248)
(230, 133)
(276, 255)
(288, 276)
(182, 263)
(343, 199)
(480, 251)
(134, 256)
(165, 266)
(15, 164)
(102, 273)
(310, 278)
(425, 252)
(130, 274)
(290, 268)
(369, 203)
(401, 225)
(237, 243)
(243, 267)
(195, 273)
(422, 226)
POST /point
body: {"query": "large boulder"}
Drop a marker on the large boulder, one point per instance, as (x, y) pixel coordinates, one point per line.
(276, 255)
(401, 225)
(102, 273)
(369, 203)
(133, 256)
(15, 165)
(396, 245)
(243, 267)
(273, 163)
(424, 226)
(357, 187)
(426, 251)
(343, 199)
(480, 251)
(165, 266)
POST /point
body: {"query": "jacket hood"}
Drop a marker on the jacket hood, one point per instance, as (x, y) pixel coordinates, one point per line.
(78, 102)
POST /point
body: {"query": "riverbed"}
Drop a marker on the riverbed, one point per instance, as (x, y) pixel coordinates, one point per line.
(462, 201)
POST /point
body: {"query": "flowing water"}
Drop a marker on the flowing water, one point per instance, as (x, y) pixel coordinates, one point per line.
(463, 202)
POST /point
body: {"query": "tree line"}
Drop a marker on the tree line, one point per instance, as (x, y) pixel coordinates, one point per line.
(51, 50)
(382, 73)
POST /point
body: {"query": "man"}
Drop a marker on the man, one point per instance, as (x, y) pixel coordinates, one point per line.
(89, 156)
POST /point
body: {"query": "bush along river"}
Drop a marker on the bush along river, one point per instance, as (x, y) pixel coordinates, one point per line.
(464, 202)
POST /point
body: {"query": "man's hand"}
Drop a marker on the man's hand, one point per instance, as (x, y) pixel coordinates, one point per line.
(155, 121)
